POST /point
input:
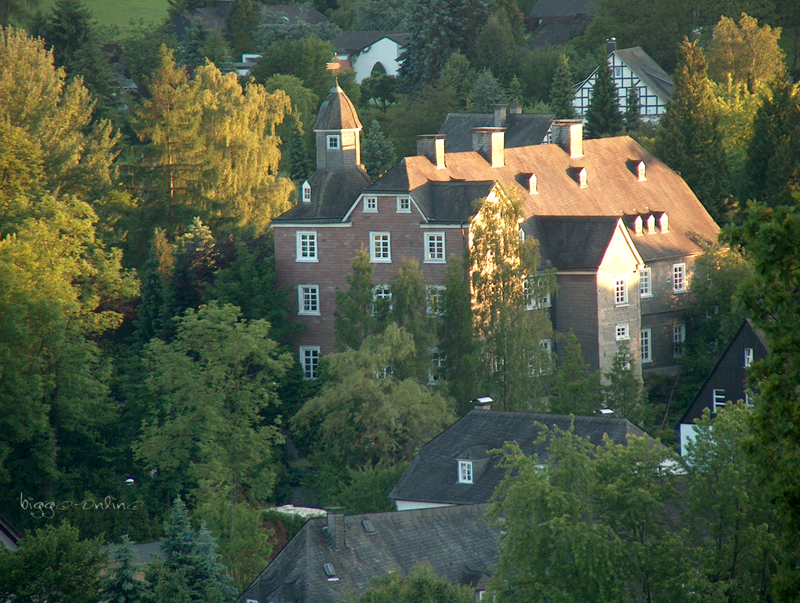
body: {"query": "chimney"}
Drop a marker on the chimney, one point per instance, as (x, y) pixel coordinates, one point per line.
(432, 147)
(568, 134)
(334, 531)
(483, 403)
(490, 142)
(515, 109)
(611, 45)
(500, 115)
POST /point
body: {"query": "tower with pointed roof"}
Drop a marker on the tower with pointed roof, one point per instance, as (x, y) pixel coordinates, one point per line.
(338, 133)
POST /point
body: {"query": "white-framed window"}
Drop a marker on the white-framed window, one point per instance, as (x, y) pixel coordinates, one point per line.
(434, 296)
(717, 399)
(309, 360)
(306, 192)
(370, 204)
(403, 205)
(641, 170)
(646, 339)
(380, 249)
(464, 472)
(384, 372)
(678, 339)
(308, 299)
(663, 223)
(651, 224)
(535, 298)
(637, 225)
(645, 282)
(381, 299)
(306, 246)
(622, 332)
(333, 141)
(436, 370)
(434, 247)
(617, 72)
(583, 178)
(533, 185)
(621, 291)
(678, 278)
(748, 356)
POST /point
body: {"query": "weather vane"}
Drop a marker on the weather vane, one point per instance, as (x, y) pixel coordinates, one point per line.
(335, 66)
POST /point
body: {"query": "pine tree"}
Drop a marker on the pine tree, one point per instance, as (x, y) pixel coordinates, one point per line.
(377, 152)
(631, 117)
(122, 586)
(486, 92)
(561, 93)
(688, 138)
(496, 49)
(603, 117)
(241, 22)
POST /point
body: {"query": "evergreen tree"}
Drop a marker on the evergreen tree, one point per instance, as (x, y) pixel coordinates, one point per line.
(192, 47)
(575, 390)
(377, 153)
(603, 117)
(459, 76)
(486, 92)
(122, 586)
(632, 117)
(561, 92)
(623, 392)
(241, 24)
(688, 138)
(497, 50)
(355, 317)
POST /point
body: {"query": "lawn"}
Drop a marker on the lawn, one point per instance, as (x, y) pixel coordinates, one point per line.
(121, 12)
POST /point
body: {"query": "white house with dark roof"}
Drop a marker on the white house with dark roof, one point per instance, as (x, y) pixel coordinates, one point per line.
(362, 50)
(332, 558)
(630, 68)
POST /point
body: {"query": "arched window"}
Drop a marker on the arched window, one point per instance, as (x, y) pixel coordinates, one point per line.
(306, 192)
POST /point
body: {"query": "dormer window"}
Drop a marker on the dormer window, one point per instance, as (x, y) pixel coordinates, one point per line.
(651, 224)
(306, 192)
(637, 225)
(330, 572)
(641, 171)
(464, 472)
(583, 178)
(663, 223)
(333, 141)
(533, 185)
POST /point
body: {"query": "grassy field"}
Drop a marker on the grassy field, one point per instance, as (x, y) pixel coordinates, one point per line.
(122, 12)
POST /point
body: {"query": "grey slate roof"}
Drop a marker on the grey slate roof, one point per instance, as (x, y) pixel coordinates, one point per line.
(573, 242)
(332, 194)
(337, 112)
(456, 541)
(356, 41)
(432, 476)
(648, 71)
(521, 129)
(555, 9)
(299, 12)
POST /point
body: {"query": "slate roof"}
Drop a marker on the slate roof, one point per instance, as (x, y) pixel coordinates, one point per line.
(332, 194)
(337, 112)
(648, 71)
(455, 540)
(556, 32)
(555, 9)
(557, 236)
(356, 41)
(432, 476)
(299, 12)
(521, 129)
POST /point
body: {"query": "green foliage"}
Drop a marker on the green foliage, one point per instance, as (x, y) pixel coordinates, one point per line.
(422, 113)
(16, 12)
(368, 410)
(378, 15)
(52, 564)
(603, 117)
(561, 93)
(459, 76)
(509, 322)
(420, 586)
(486, 92)
(498, 49)
(306, 59)
(377, 153)
(688, 138)
(623, 392)
(353, 316)
(575, 390)
(241, 24)
(631, 117)
(769, 297)
(369, 487)
(142, 50)
(121, 585)
(379, 88)
(273, 29)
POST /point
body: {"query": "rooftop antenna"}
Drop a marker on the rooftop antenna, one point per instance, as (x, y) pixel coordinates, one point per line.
(334, 66)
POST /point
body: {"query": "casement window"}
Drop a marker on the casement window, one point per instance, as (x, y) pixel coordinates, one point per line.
(370, 204)
(434, 295)
(645, 282)
(678, 339)
(436, 370)
(617, 72)
(621, 291)
(464, 472)
(309, 360)
(306, 246)
(380, 250)
(306, 192)
(434, 247)
(678, 278)
(403, 205)
(622, 332)
(748, 356)
(308, 299)
(333, 141)
(717, 399)
(381, 299)
(535, 298)
(646, 340)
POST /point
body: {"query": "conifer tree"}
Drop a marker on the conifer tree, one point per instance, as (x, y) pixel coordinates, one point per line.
(122, 586)
(486, 92)
(242, 21)
(623, 392)
(561, 92)
(603, 117)
(377, 153)
(688, 138)
(496, 49)
(575, 390)
(632, 117)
